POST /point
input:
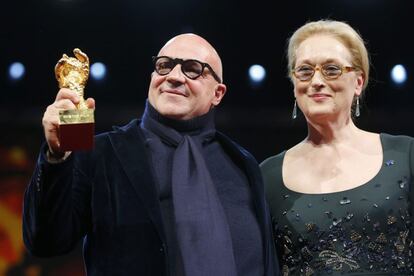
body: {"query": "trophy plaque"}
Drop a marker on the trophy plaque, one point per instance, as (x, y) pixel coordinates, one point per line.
(76, 126)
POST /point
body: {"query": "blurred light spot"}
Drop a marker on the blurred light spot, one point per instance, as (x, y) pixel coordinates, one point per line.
(18, 155)
(98, 70)
(257, 73)
(398, 74)
(16, 70)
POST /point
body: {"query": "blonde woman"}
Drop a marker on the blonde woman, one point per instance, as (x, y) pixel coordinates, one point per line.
(340, 199)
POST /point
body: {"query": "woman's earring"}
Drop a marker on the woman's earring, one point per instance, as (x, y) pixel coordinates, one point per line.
(357, 111)
(295, 110)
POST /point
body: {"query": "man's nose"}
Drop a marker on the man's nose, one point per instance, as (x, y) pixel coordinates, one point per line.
(176, 74)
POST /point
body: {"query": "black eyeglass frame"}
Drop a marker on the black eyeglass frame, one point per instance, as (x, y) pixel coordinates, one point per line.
(180, 61)
(343, 69)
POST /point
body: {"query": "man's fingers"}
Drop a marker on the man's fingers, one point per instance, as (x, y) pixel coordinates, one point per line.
(66, 99)
(65, 93)
(51, 115)
(64, 104)
(90, 103)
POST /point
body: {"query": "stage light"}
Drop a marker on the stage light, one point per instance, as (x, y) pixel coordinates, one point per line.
(98, 70)
(16, 70)
(257, 73)
(398, 74)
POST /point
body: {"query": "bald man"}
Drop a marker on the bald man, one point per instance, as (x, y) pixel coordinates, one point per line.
(163, 195)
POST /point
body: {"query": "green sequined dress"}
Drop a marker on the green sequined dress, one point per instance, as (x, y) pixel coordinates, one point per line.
(366, 230)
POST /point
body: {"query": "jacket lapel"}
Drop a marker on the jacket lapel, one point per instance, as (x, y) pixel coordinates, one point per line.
(129, 147)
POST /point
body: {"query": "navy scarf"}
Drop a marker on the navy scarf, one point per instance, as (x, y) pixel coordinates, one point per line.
(202, 229)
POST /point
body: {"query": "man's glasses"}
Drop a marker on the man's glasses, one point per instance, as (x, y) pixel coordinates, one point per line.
(191, 68)
(329, 71)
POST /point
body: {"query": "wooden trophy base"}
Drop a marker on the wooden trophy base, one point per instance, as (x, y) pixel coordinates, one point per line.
(76, 130)
(76, 136)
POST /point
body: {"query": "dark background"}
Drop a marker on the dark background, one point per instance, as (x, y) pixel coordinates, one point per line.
(125, 34)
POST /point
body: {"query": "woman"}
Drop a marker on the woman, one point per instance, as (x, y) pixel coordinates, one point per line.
(340, 199)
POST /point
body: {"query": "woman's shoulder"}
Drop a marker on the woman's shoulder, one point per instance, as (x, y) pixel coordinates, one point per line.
(396, 141)
(272, 170)
(273, 161)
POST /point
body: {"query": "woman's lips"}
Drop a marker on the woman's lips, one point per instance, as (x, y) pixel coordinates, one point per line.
(320, 96)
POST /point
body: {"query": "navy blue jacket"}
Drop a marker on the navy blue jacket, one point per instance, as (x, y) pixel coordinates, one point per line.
(109, 197)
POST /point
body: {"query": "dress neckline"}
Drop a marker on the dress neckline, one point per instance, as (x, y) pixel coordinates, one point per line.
(373, 179)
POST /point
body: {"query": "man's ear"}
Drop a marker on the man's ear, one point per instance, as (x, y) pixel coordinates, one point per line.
(219, 92)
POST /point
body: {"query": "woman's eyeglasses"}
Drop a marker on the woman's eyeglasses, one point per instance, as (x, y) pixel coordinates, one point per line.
(329, 71)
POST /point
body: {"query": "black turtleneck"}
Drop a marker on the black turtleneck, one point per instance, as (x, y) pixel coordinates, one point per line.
(232, 188)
